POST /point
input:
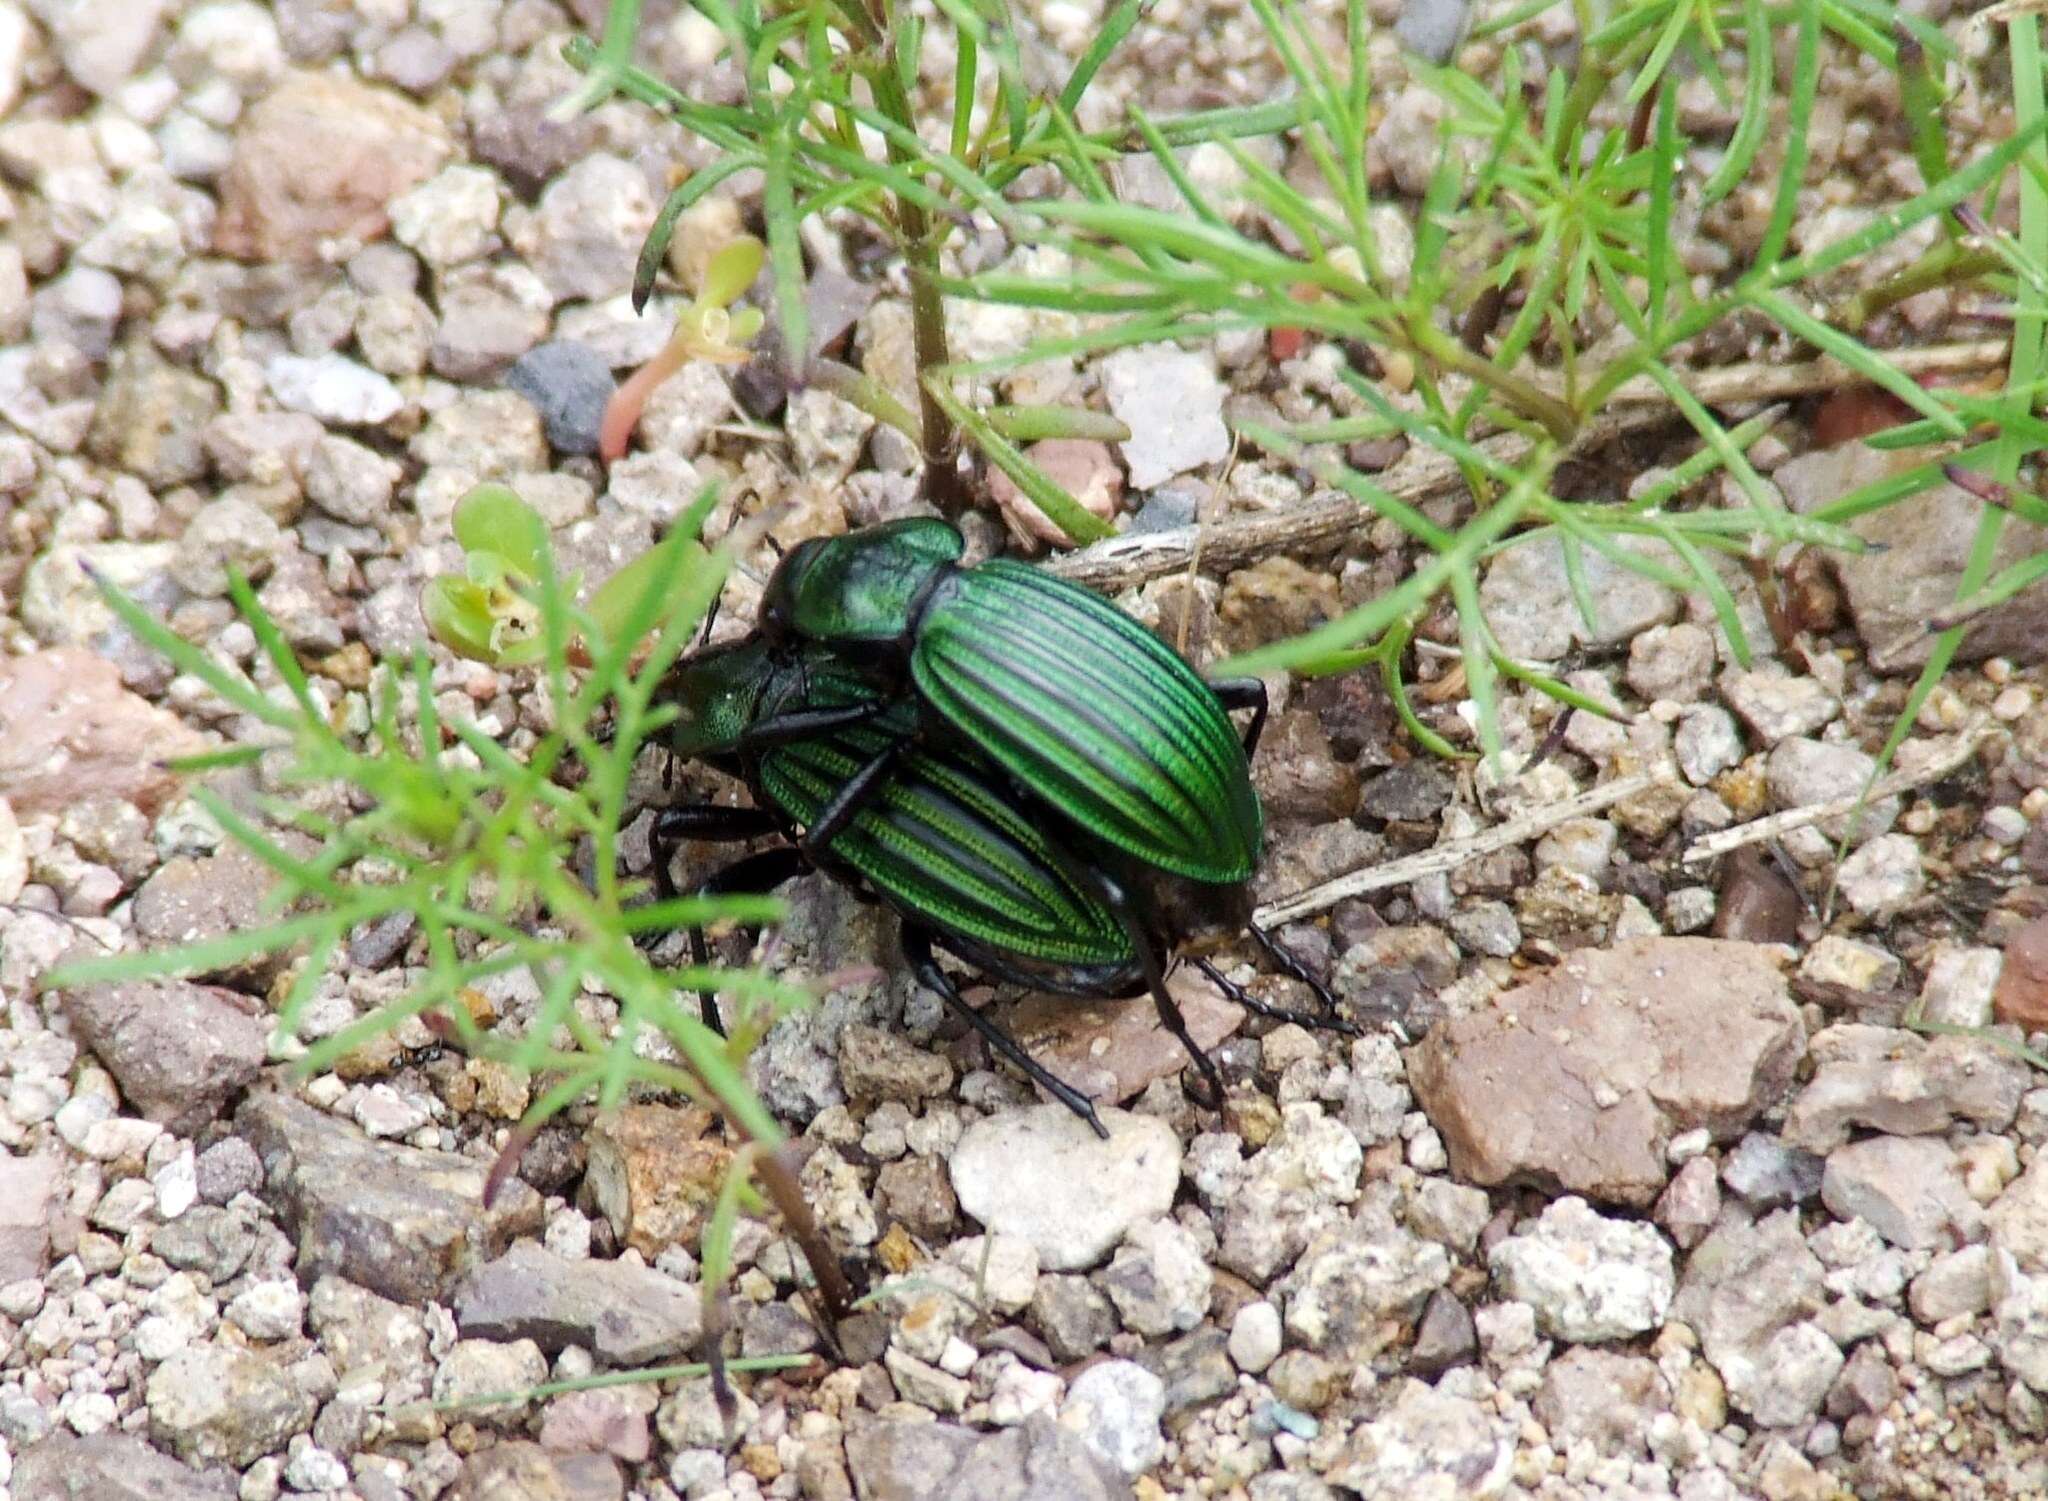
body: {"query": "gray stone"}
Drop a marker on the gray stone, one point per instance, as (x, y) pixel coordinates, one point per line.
(1749, 1291)
(178, 1050)
(2019, 1217)
(489, 317)
(1590, 1279)
(476, 1368)
(521, 1471)
(1073, 1315)
(1173, 405)
(1116, 1407)
(1688, 1208)
(584, 236)
(1159, 1279)
(1603, 1399)
(1803, 772)
(191, 899)
(1255, 1336)
(232, 534)
(1195, 1369)
(1959, 987)
(1909, 1189)
(1041, 1175)
(150, 419)
(1768, 1172)
(81, 308)
(1924, 541)
(1776, 705)
(350, 482)
(334, 389)
(569, 384)
(370, 1338)
(1707, 743)
(1427, 1442)
(878, 1064)
(228, 1167)
(1445, 1338)
(210, 1402)
(1528, 600)
(1354, 1288)
(1899, 1082)
(1953, 1285)
(207, 1238)
(1432, 28)
(400, 1221)
(1883, 878)
(1036, 1461)
(626, 1314)
(28, 1187)
(112, 1467)
(1410, 792)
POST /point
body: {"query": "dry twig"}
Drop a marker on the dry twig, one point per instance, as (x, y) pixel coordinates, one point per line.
(1455, 853)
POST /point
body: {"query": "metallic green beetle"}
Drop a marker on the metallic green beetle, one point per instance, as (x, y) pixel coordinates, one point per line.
(1083, 707)
(943, 840)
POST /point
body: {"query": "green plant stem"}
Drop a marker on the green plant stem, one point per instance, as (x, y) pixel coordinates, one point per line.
(1558, 419)
(1948, 264)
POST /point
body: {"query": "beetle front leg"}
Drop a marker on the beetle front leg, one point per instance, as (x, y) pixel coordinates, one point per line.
(1244, 693)
(1236, 993)
(1153, 963)
(853, 795)
(807, 724)
(757, 873)
(917, 949)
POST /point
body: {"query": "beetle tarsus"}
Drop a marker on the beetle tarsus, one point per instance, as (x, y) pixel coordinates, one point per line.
(917, 948)
(1293, 968)
(761, 872)
(1244, 693)
(1238, 995)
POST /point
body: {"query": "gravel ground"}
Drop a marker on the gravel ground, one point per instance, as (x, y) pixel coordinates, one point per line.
(1638, 1187)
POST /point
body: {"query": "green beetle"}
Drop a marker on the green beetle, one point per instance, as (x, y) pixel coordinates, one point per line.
(1084, 708)
(943, 839)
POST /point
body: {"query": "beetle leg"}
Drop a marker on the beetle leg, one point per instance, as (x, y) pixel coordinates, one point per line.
(761, 872)
(1291, 966)
(1244, 693)
(853, 795)
(1153, 963)
(917, 948)
(807, 724)
(1237, 994)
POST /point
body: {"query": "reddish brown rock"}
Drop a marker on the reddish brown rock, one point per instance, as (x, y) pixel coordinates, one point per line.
(69, 731)
(320, 159)
(1577, 1081)
(2022, 994)
(653, 1173)
(1113, 1049)
(1086, 470)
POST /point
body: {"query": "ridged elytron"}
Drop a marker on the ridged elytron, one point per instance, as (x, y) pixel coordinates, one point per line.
(1079, 704)
(943, 838)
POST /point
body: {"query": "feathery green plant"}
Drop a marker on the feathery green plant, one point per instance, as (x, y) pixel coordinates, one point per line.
(504, 864)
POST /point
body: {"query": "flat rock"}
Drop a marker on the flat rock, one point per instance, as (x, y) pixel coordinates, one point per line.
(112, 1467)
(1528, 600)
(210, 1402)
(2019, 1217)
(28, 1186)
(1750, 1291)
(1603, 1398)
(69, 731)
(1924, 541)
(193, 898)
(401, 1222)
(1589, 1278)
(1173, 405)
(1038, 1460)
(628, 1315)
(1909, 1189)
(521, 1471)
(1427, 1442)
(177, 1050)
(1895, 1081)
(1580, 1079)
(1113, 1049)
(1041, 1175)
(320, 159)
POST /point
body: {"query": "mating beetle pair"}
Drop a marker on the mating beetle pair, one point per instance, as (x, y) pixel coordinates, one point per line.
(1028, 777)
